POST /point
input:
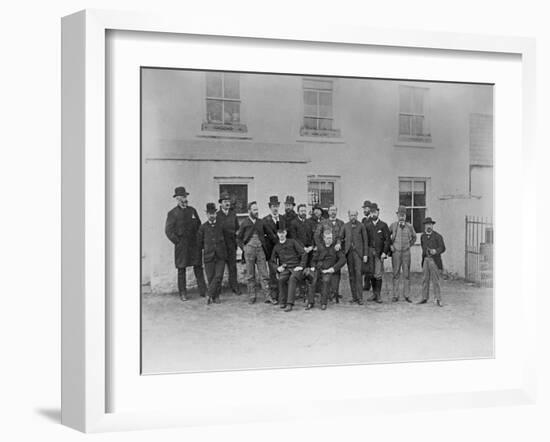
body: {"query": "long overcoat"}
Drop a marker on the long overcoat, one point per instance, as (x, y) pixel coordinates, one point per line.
(182, 226)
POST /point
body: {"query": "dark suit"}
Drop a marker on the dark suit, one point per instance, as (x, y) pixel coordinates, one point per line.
(369, 268)
(181, 228)
(356, 248)
(230, 225)
(212, 243)
(324, 258)
(431, 263)
(289, 217)
(289, 255)
(271, 239)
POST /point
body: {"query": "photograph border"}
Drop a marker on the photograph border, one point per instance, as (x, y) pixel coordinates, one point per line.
(85, 199)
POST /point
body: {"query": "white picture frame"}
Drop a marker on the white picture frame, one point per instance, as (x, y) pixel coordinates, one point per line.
(85, 214)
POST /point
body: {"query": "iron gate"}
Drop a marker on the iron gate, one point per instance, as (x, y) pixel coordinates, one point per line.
(479, 251)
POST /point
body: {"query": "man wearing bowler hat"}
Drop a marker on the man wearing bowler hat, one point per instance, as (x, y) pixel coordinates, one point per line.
(182, 225)
(367, 275)
(289, 215)
(212, 243)
(402, 238)
(272, 223)
(379, 252)
(432, 247)
(227, 217)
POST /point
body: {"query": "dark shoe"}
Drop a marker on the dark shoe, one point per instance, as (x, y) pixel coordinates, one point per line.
(378, 300)
(438, 303)
(288, 308)
(282, 306)
(323, 307)
(252, 300)
(183, 297)
(237, 291)
(372, 298)
(269, 300)
(353, 301)
(360, 301)
(216, 301)
(394, 299)
(209, 300)
(423, 301)
(337, 299)
(203, 295)
(408, 300)
(309, 306)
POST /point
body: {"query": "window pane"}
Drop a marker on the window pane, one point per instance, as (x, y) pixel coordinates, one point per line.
(404, 125)
(405, 99)
(231, 112)
(321, 192)
(405, 193)
(418, 218)
(419, 193)
(409, 215)
(238, 194)
(213, 110)
(325, 124)
(231, 86)
(213, 84)
(418, 100)
(325, 104)
(310, 123)
(418, 125)
(310, 103)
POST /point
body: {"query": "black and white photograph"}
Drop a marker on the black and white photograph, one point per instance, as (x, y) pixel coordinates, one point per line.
(307, 220)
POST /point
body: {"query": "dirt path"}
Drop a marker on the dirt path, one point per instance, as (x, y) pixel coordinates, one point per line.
(192, 336)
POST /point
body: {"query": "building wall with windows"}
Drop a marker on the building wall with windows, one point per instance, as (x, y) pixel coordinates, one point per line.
(342, 140)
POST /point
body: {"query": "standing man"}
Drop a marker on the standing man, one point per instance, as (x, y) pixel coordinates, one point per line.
(289, 215)
(289, 259)
(227, 217)
(272, 223)
(300, 230)
(252, 239)
(326, 262)
(212, 244)
(336, 227)
(370, 264)
(182, 225)
(356, 249)
(380, 250)
(315, 219)
(432, 247)
(402, 238)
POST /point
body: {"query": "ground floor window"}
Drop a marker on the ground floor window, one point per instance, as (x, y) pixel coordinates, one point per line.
(321, 191)
(239, 196)
(412, 195)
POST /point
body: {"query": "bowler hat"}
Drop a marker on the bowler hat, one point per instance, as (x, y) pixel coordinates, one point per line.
(224, 196)
(401, 210)
(367, 203)
(428, 221)
(281, 228)
(274, 200)
(180, 191)
(317, 207)
(290, 200)
(374, 206)
(210, 208)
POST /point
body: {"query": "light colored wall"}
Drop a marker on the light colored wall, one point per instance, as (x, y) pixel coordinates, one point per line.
(367, 159)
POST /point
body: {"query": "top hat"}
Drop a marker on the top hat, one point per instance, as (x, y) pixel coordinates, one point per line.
(180, 191)
(401, 210)
(367, 203)
(374, 206)
(224, 196)
(210, 208)
(290, 200)
(274, 200)
(428, 221)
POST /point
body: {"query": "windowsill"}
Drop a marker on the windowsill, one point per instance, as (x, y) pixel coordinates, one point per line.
(421, 142)
(321, 140)
(220, 130)
(225, 135)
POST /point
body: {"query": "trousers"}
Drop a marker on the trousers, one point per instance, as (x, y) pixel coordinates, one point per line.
(401, 265)
(214, 275)
(430, 273)
(231, 262)
(199, 276)
(355, 265)
(255, 259)
(288, 283)
(328, 282)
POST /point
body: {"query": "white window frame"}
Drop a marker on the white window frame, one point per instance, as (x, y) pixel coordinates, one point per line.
(412, 180)
(237, 180)
(425, 138)
(335, 180)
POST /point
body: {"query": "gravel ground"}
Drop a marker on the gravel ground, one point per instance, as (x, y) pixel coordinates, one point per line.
(191, 336)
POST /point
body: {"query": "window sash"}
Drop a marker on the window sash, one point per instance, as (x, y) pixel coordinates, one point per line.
(410, 186)
(223, 100)
(315, 87)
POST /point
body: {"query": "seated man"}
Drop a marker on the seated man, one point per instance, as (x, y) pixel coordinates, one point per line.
(325, 265)
(289, 259)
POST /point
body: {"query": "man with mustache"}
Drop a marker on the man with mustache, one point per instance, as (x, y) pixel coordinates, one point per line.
(432, 247)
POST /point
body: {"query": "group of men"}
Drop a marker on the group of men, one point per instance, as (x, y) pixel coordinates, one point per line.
(291, 252)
